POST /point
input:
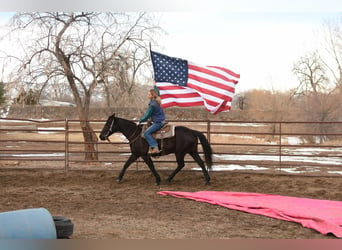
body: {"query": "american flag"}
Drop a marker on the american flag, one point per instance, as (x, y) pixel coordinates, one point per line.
(185, 84)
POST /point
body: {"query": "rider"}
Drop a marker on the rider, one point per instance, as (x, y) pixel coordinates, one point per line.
(157, 115)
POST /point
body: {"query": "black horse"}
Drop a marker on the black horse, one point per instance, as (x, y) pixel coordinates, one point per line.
(185, 141)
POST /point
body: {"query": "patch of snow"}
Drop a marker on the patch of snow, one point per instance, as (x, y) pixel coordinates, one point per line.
(295, 170)
(321, 160)
(294, 140)
(4, 111)
(46, 130)
(236, 167)
(225, 124)
(335, 172)
(313, 150)
(34, 155)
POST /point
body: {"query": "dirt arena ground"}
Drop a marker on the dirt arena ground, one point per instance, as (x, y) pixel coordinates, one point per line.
(102, 209)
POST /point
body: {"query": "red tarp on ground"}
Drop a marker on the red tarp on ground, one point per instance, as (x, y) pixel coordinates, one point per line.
(325, 216)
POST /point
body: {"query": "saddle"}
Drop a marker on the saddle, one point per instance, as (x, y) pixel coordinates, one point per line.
(166, 131)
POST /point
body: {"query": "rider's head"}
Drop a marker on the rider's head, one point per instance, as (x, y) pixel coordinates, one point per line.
(153, 95)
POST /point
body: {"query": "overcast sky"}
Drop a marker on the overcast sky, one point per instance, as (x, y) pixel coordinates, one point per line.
(261, 46)
(260, 40)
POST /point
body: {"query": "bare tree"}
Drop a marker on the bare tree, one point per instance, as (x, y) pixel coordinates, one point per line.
(333, 44)
(122, 76)
(313, 95)
(81, 48)
(240, 101)
(311, 74)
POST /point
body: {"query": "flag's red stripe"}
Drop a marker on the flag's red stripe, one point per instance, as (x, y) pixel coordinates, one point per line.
(222, 96)
(175, 95)
(170, 87)
(212, 73)
(213, 103)
(182, 104)
(222, 108)
(211, 83)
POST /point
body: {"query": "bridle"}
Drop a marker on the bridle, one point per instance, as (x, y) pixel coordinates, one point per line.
(130, 139)
(109, 131)
(110, 128)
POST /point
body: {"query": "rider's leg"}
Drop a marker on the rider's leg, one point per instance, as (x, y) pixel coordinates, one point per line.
(149, 138)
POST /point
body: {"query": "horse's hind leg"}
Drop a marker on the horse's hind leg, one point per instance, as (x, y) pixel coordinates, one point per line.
(199, 161)
(180, 165)
(130, 160)
(150, 164)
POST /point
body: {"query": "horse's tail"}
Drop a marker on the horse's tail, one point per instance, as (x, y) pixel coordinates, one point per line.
(208, 152)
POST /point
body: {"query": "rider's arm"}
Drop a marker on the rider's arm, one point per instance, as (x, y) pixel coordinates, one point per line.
(147, 114)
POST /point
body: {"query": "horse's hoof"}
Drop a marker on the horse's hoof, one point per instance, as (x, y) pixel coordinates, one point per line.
(118, 180)
(157, 183)
(207, 183)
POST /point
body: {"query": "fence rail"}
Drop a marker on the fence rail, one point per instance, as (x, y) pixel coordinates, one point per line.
(307, 148)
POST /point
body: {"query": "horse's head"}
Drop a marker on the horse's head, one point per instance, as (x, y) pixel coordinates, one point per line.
(109, 128)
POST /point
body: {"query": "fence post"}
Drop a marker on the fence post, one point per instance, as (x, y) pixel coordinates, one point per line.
(66, 166)
(208, 130)
(280, 146)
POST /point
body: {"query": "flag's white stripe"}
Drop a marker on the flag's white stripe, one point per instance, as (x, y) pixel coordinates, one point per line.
(166, 84)
(182, 100)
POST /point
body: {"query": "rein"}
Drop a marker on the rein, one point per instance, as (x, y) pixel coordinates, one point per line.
(135, 138)
(130, 139)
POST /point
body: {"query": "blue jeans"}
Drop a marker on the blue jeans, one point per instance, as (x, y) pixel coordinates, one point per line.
(150, 130)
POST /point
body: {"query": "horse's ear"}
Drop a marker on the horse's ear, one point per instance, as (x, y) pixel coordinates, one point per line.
(113, 114)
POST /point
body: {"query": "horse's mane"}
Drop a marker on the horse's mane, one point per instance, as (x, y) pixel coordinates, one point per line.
(125, 120)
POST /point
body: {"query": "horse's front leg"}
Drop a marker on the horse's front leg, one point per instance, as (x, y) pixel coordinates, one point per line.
(150, 164)
(130, 160)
